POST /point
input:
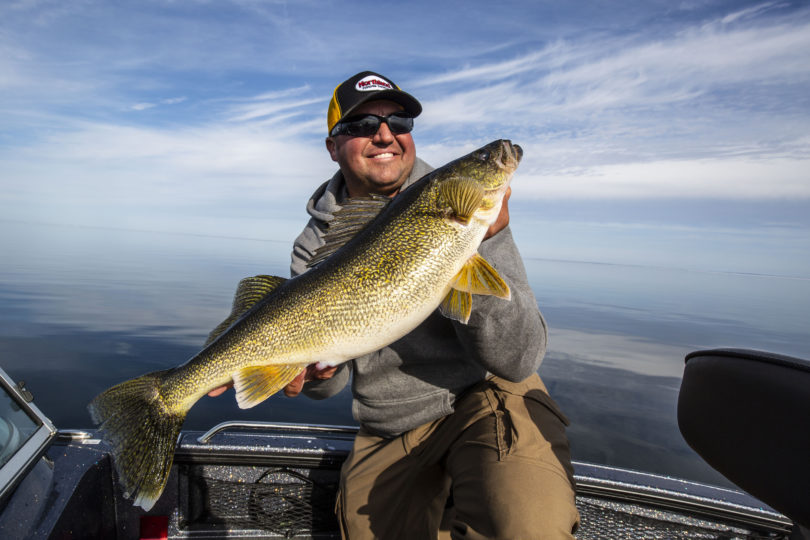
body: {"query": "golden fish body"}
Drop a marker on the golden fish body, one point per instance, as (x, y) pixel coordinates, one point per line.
(386, 266)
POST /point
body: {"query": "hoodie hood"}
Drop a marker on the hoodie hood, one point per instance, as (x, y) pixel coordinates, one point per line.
(327, 198)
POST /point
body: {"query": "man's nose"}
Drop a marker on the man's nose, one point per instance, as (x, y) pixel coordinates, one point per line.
(383, 135)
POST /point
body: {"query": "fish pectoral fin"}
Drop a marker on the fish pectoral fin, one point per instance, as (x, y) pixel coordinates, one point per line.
(479, 277)
(249, 292)
(463, 196)
(457, 305)
(256, 383)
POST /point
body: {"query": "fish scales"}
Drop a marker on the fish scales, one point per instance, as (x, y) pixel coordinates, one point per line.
(417, 254)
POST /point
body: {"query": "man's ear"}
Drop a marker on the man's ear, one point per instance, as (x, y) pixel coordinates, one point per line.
(331, 147)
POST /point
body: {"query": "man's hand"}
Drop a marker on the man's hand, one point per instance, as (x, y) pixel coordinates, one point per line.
(503, 218)
(312, 373)
(220, 390)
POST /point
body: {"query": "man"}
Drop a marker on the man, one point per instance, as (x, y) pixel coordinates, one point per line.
(450, 411)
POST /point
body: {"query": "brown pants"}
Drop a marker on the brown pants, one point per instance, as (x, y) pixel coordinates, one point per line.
(502, 455)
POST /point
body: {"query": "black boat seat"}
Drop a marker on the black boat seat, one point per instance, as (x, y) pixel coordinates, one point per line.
(747, 413)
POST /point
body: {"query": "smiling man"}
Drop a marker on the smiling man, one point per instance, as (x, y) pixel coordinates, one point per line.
(380, 163)
(451, 411)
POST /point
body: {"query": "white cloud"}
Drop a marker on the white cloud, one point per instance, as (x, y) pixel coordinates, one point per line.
(706, 109)
(168, 101)
(206, 180)
(269, 107)
(748, 12)
(590, 76)
(726, 178)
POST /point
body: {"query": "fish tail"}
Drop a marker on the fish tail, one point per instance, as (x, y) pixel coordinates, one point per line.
(142, 429)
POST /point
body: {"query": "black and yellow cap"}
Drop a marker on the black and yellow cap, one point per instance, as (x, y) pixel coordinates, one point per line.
(363, 87)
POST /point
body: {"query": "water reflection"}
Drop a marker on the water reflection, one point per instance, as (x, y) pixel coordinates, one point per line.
(83, 309)
(623, 417)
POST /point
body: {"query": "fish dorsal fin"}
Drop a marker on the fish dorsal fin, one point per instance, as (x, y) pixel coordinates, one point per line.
(256, 383)
(248, 293)
(478, 277)
(354, 215)
(463, 196)
(457, 305)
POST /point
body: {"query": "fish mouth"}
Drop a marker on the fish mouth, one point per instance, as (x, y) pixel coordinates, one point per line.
(509, 155)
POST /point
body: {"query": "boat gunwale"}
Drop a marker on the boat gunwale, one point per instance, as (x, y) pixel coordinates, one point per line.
(310, 444)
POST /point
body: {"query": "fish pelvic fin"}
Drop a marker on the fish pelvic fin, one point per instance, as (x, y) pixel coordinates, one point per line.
(249, 292)
(256, 383)
(463, 196)
(477, 276)
(142, 430)
(457, 305)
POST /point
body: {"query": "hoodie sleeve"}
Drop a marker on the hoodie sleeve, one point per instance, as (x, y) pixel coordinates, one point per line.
(508, 338)
(304, 248)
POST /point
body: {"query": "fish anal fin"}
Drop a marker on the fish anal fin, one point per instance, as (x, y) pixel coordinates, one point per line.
(256, 383)
(463, 195)
(457, 305)
(249, 292)
(479, 277)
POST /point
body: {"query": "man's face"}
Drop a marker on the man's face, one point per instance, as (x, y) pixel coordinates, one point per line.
(378, 164)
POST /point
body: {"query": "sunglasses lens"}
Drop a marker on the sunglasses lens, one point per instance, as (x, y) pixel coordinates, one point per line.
(362, 127)
(400, 123)
(366, 126)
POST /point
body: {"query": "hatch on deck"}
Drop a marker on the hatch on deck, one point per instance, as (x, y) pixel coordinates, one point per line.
(25, 433)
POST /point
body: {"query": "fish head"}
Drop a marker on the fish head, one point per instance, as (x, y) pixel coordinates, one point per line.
(475, 184)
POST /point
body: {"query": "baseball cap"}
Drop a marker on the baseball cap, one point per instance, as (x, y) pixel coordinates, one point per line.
(363, 87)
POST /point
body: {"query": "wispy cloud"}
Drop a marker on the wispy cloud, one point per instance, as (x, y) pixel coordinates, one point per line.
(633, 72)
(169, 101)
(720, 178)
(197, 106)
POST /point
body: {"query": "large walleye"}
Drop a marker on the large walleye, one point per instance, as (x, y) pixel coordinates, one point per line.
(386, 265)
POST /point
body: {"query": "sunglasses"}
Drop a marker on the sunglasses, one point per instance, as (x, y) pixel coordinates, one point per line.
(366, 125)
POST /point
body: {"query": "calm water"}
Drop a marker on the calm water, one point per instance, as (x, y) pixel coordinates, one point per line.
(83, 308)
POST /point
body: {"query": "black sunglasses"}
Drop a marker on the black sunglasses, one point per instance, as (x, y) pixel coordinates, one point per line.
(366, 125)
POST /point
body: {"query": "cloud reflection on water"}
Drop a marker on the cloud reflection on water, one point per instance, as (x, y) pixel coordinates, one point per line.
(83, 308)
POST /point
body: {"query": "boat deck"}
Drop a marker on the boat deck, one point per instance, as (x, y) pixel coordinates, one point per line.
(257, 480)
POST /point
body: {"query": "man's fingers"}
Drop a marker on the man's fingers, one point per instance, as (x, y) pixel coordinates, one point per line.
(219, 391)
(314, 373)
(503, 218)
(294, 387)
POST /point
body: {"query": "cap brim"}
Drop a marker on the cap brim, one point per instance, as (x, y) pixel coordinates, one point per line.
(408, 102)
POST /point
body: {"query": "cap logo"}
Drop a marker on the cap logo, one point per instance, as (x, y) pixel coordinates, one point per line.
(372, 83)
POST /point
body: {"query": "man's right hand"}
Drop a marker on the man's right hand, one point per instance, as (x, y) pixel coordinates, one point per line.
(314, 372)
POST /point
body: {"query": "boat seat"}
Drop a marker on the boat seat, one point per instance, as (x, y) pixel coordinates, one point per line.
(747, 413)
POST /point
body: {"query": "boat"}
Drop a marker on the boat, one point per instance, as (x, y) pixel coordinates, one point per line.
(278, 480)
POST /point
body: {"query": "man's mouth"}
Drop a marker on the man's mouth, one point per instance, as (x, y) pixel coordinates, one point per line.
(383, 156)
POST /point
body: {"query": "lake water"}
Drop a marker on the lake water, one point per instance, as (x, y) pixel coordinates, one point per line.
(84, 308)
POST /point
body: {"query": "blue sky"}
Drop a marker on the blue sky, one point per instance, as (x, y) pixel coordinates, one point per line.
(654, 132)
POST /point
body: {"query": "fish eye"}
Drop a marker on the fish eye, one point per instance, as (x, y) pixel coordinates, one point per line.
(483, 155)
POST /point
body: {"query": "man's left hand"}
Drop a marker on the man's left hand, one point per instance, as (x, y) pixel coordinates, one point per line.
(503, 218)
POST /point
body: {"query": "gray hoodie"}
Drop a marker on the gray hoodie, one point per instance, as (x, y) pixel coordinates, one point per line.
(417, 379)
